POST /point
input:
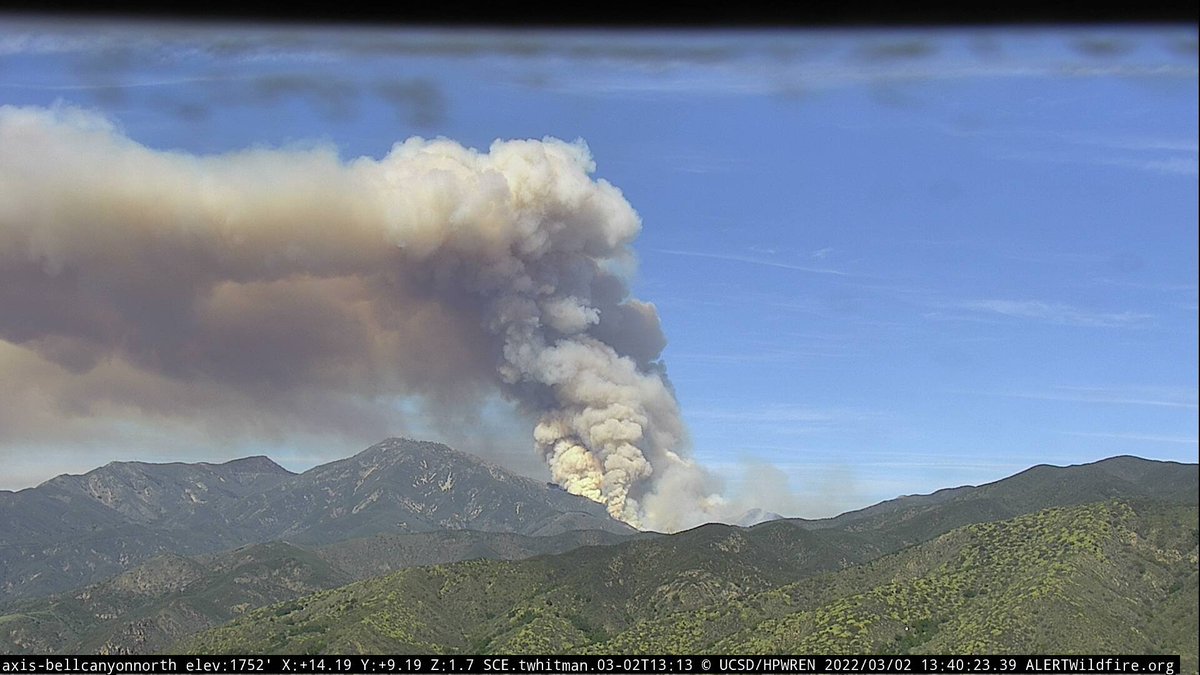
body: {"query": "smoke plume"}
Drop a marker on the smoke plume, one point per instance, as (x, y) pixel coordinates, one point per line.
(289, 279)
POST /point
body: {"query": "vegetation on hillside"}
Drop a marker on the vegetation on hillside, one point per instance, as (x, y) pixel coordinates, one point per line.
(1092, 578)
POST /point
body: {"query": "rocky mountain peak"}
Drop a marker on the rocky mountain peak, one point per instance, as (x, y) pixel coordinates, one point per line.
(126, 512)
(404, 485)
(398, 450)
(255, 464)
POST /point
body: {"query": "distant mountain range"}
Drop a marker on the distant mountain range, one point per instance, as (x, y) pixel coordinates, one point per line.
(74, 530)
(361, 555)
(916, 518)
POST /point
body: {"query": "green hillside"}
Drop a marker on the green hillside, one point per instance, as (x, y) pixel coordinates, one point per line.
(575, 598)
(712, 588)
(1097, 578)
(1105, 577)
(170, 597)
(164, 599)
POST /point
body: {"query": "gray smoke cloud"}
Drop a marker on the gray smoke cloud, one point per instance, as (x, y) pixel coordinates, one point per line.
(296, 284)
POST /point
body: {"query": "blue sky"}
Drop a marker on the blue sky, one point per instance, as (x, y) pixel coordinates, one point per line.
(885, 261)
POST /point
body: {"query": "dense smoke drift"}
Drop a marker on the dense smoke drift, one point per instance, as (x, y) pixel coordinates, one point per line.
(437, 272)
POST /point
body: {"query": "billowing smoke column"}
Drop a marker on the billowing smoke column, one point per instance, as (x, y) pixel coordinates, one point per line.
(436, 272)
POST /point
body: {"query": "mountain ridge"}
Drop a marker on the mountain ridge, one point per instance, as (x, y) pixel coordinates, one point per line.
(431, 469)
(172, 596)
(1051, 485)
(74, 530)
(1107, 565)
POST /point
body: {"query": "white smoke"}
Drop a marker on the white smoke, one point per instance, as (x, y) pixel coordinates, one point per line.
(437, 271)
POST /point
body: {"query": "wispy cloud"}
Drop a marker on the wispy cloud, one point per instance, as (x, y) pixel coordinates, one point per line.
(1057, 257)
(958, 316)
(1178, 164)
(119, 84)
(1181, 440)
(1164, 397)
(1172, 155)
(752, 261)
(729, 77)
(1145, 143)
(775, 357)
(1146, 285)
(1184, 166)
(789, 415)
(605, 64)
(1056, 313)
(699, 163)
